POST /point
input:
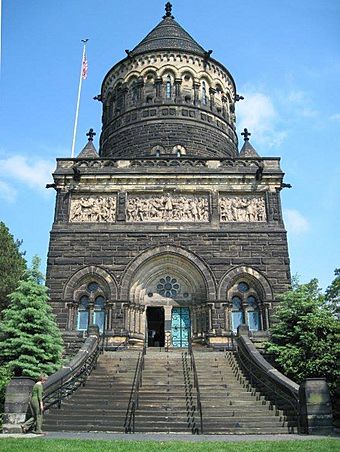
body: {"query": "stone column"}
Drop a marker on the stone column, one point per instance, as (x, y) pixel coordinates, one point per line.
(226, 317)
(210, 318)
(196, 86)
(167, 325)
(91, 309)
(158, 84)
(18, 394)
(266, 317)
(108, 316)
(70, 315)
(126, 316)
(178, 82)
(194, 320)
(212, 92)
(225, 109)
(315, 407)
(139, 85)
(125, 91)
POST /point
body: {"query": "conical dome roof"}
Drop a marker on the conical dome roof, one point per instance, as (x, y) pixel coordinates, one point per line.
(168, 35)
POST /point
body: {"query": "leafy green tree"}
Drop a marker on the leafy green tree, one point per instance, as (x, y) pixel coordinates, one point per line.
(332, 294)
(12, 265)
(305, 340)
(30, 339)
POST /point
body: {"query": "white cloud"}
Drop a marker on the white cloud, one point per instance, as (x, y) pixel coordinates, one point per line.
(299, 103)
(296, 96)
(7, 193)
(295, 222)
(258, 114)
(34, 173)
(336, 117)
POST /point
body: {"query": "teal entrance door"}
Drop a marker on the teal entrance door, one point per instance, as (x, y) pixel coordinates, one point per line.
(180, 327)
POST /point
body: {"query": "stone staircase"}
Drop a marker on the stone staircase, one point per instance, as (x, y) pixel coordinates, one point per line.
(102, 403)
(229, 404)
(165, 399)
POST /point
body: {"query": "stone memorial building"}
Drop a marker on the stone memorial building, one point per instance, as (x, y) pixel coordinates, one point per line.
(168, 231)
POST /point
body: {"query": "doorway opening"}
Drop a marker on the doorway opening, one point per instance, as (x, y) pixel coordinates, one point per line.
(155, 326)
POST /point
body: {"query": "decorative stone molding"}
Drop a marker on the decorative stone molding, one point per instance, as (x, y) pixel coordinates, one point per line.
(93, 209)
(147, 163)
(96, 163)
(182, 208)
(242, 209)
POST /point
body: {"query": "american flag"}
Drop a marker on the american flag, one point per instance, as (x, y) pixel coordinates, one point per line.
(84, 68)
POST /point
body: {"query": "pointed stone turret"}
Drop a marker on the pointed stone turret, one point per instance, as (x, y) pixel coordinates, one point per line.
(89, 151)
(168, 35)
(247, 149)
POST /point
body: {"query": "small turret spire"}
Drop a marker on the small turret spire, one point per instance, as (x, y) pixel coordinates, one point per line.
(168, 10)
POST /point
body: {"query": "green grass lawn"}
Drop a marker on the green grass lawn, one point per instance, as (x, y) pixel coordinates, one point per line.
(75, 445)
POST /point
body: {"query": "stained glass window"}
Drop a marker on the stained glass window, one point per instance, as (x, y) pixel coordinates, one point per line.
(168, 287)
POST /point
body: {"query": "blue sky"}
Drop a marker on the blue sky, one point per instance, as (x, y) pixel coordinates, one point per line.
(283, 55)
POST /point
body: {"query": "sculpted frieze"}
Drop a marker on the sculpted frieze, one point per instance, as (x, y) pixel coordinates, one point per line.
(185, 208)
(93, 209)
(242, 209)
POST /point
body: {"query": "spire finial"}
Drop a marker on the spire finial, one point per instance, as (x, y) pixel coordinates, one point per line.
(168, 10)
(90, 134)
(246, 134)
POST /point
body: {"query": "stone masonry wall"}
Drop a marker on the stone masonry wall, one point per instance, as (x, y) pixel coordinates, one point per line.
(71, 251)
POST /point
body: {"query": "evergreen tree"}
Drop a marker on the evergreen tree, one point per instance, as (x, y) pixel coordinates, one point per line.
(332, 294)
(12, 265)
(305, 340)
(31, 343)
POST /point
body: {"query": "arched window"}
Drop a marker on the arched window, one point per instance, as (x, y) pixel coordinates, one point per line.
(83, 313)
(204, 93)
(91, 306)
(178, 150)
(237, 315)
(168, 87)
(253, 314)
(245, 306)
(99, 313)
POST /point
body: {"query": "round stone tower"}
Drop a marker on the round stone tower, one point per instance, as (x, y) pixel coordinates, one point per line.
(168, 97)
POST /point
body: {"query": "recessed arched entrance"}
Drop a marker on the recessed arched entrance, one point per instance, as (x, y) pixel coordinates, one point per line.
(173, 285)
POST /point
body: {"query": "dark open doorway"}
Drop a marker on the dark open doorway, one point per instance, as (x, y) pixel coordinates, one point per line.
(155, 324)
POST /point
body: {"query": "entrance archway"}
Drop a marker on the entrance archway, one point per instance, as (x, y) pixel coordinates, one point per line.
(179, 287)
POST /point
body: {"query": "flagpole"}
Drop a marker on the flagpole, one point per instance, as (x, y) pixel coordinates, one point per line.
(84, 41)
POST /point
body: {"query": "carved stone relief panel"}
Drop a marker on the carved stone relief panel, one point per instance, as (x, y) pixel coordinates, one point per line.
(173, 208)
(242, 209)
(93, 209)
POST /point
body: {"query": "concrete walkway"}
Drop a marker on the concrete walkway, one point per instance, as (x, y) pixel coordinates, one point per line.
(167, 437)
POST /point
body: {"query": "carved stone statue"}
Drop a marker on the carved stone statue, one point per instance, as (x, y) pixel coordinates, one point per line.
(242, 209)
(171, 208)
(93, 209)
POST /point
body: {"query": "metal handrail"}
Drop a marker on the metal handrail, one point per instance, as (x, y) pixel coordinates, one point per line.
(69, 381)
(129, 424)
(196, 385)
(188, 393)
(288, 395)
